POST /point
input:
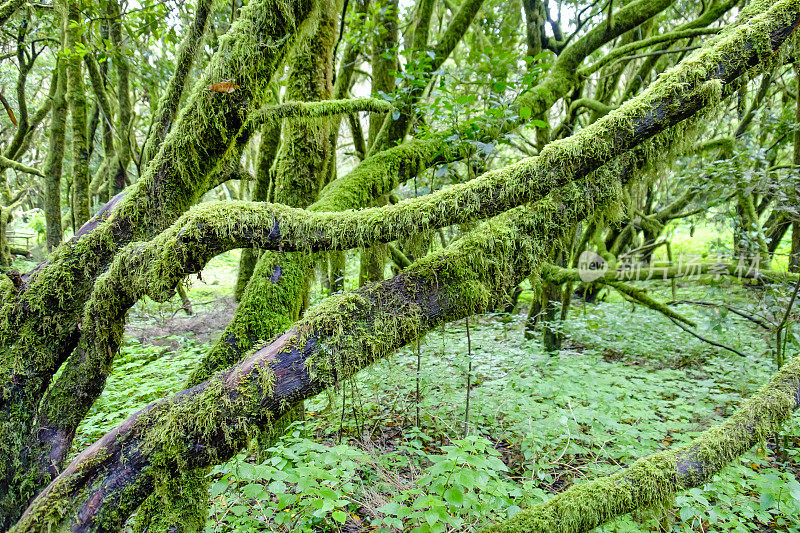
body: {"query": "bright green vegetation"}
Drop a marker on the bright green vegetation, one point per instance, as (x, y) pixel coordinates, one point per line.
(627, 383)
(369, 265)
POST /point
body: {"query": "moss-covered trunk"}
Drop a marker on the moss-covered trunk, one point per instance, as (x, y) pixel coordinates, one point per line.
(40, 320)
(5, 250)
(275, 296)
(119, 171)
(794, 254)
(385, 47)
(76, 98)
(53, 161)
(267, 150)
(170, 101)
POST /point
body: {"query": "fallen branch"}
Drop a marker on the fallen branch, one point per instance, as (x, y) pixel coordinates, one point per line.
(708, 341)
(732, 309)
(640, 296)
(658, 477)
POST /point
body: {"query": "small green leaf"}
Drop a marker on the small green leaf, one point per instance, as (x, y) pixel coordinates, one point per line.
(339, 516)
(254, 490)
(218, 488)
(454, 496)
(525, 112)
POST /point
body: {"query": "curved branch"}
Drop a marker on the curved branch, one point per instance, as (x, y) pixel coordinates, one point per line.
(326, 108)
(10, 163)
(640, 296)
(622, 51)
(598, 107)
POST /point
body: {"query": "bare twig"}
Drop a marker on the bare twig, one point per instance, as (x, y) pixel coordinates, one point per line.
(733, 310)
(709, 341)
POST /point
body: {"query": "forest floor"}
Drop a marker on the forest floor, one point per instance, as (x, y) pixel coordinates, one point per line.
(375, 455)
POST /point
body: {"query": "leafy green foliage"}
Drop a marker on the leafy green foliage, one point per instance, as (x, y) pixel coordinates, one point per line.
(628, 383)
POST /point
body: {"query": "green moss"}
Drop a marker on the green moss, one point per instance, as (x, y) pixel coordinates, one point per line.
(659, 477)
(37, 328)
(307, 110)
(76, 98)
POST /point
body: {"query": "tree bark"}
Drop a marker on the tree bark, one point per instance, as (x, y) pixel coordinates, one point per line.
(40, 323)
(119, 174)
(76, 98)
(55, 156)
(170, 101)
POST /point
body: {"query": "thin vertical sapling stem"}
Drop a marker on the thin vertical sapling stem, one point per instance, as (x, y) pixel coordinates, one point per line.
(779, 356)
(469, 377)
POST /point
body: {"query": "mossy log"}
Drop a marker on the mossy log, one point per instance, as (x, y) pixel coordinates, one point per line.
(210, 422)
(655, 479)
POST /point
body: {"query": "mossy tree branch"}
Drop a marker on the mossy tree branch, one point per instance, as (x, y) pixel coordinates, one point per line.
(40, 322)
(119, 169)
(170, 102)
(666, 103)
(9, 8)
(711, 14)
(294, 110)
(620, 52)
(76, 98)
(364, 326)
(381, 173)
(560, 275)
(658, 477)
(10, 163)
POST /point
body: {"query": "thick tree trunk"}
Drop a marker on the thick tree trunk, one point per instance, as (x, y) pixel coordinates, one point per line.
(385, 47)
(40, 323)
(273, 298)
(267, 150)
